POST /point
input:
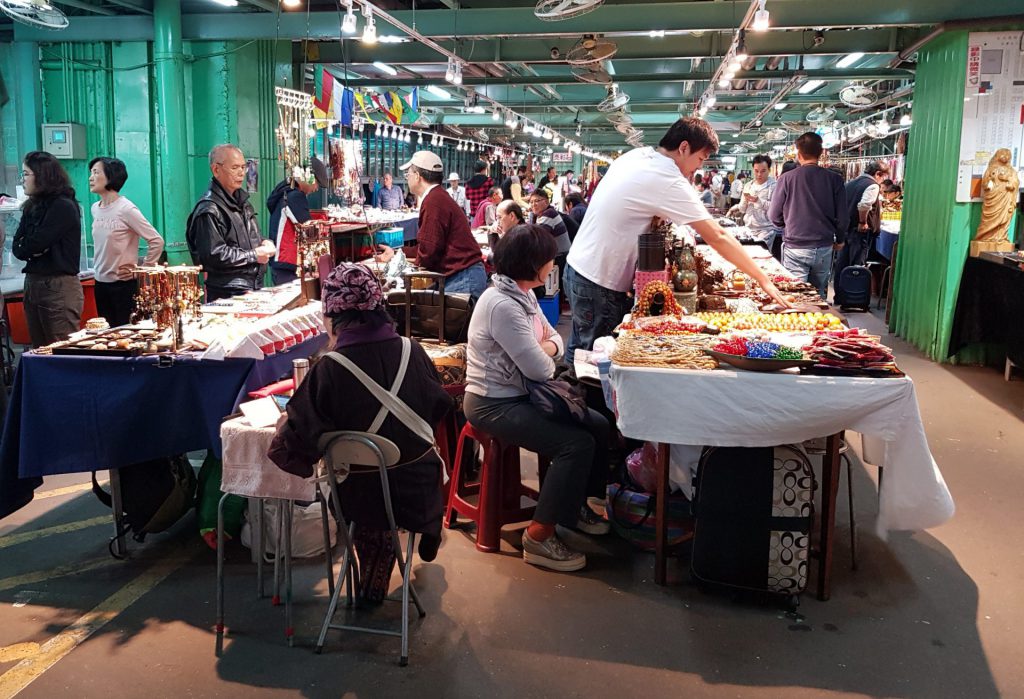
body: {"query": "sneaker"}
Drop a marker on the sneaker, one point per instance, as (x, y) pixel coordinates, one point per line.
(552, 554)
(589, 522)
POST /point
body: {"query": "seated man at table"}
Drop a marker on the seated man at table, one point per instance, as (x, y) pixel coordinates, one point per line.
(390, 196)
(444, 243)
(332, 399)
(487, 213)
(222, 232)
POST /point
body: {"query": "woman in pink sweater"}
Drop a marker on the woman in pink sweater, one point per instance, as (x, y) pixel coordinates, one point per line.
(117, 226)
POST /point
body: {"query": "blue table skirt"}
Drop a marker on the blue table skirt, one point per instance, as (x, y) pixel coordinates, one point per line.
(885, 242)
(76, 414)
(410, 228)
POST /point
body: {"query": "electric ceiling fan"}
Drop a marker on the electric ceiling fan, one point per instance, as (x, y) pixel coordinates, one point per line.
(738, 148)
(857, 95)
(482, 135)
(619, 117)
(591, 74)
(614, 101)
(35, 13)
(624, 128)
(455, 129)
(776, 134)
(821, 114)
(589, 50)
(555, 10)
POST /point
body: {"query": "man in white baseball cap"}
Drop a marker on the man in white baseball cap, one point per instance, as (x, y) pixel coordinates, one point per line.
(444, 243)
(457, 193)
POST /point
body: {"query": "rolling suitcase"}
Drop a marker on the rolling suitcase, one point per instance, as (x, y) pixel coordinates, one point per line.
(753, 508)
(853, 288)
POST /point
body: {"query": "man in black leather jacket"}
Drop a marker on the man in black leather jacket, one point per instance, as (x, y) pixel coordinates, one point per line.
(223, 234)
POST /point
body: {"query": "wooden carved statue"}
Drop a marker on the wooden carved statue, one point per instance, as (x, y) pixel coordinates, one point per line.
(999, 199)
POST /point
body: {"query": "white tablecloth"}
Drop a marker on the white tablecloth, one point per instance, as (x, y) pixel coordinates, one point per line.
(247, 471)
(753, 409)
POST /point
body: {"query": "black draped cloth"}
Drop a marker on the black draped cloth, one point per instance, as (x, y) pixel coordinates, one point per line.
(990, 308)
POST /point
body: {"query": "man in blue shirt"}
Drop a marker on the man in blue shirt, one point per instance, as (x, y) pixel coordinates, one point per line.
(390, 195)
(810, 203)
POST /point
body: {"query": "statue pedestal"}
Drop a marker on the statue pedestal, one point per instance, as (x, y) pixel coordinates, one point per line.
(980, 246)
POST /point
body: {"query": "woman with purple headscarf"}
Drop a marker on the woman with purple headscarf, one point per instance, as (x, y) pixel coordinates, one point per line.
(332, 399)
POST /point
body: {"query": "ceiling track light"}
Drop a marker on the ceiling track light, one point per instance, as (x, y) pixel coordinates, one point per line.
(761, 19)
(370, 29)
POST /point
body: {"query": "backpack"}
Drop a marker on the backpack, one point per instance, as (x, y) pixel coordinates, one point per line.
(154, 495)
(853, 288)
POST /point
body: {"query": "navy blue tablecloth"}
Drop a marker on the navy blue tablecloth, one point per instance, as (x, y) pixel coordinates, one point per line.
(72, 414)
(884, 243)
(410, 227)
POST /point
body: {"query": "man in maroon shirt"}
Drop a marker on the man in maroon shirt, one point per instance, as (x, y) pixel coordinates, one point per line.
(444, 242)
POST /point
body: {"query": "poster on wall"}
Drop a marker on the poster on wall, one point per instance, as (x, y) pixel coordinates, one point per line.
(993, 107)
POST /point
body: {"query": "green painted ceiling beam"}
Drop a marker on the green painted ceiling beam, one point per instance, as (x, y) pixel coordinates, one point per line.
(637, 17)
(839, 43)
(567, 79)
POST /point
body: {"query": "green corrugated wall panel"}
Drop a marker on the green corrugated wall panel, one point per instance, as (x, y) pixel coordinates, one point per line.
(211, 106)
(78, 87)
(134, 125)
(937, 231)
(8, 118)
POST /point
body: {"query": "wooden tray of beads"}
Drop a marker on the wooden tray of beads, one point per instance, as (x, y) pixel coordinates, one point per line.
(115, 342)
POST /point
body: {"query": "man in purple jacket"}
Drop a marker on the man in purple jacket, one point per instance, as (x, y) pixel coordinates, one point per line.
(810, 202)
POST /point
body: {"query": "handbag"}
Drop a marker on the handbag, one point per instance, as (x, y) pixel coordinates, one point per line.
(558, 400)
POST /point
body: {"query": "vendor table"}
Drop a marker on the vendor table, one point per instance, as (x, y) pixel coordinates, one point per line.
(247, 471)
(887, 237)
(753, 409)
(72, 414)
(990, 308)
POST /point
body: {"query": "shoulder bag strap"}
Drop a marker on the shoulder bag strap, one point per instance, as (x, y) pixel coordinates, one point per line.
(406, 415)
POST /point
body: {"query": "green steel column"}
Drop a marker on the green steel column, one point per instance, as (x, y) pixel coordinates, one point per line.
(27, 97)
(172, 139)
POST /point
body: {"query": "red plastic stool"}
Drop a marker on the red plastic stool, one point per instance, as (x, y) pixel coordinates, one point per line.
(498, 493)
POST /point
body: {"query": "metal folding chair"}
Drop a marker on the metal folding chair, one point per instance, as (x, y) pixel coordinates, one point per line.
(344, 453)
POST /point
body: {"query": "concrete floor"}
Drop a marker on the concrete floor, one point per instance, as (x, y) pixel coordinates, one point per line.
(928, 614)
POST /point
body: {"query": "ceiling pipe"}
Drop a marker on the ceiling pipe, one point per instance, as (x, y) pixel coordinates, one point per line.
(748, 64)
(78, 5)
(773, 63)
(952, 25)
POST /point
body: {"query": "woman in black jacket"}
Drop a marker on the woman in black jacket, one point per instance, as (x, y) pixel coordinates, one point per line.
(49, 240)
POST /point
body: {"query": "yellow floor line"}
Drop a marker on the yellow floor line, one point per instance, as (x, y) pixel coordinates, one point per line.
(58, 572)
(22, 537)
(68, 490)
(9, 654)
(52, 651)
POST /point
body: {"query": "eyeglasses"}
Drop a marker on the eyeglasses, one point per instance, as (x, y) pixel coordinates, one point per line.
(233, 168)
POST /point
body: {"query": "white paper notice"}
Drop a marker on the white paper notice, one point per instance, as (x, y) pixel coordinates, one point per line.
(262, 412)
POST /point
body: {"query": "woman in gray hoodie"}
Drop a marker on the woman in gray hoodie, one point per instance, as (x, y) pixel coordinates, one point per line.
(509, 341)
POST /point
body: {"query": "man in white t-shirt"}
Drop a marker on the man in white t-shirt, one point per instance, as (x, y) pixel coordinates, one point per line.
(643, 183)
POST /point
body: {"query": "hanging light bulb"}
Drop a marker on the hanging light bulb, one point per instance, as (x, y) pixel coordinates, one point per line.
(449, 73)
(549, 134)
(458, 74)
(378, 129)
(724, 82)
(370, 29)
(495, 116)
(420, 139)
(710, 101)
(348, 23)
(557, 139)
(905, 120)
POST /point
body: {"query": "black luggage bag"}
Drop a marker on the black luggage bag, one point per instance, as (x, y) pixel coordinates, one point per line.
(853, 288)
(753, 508)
